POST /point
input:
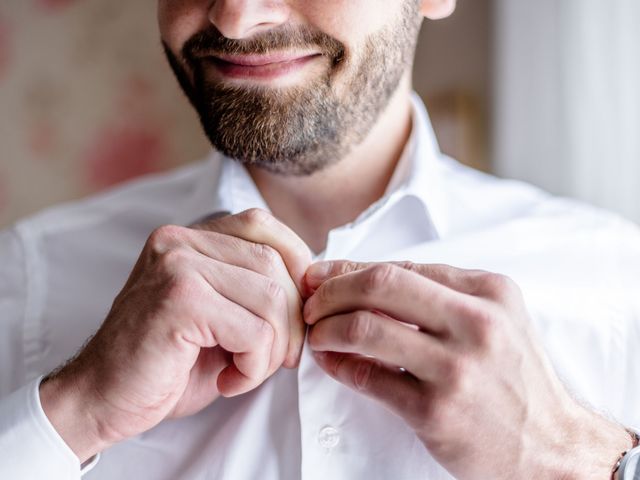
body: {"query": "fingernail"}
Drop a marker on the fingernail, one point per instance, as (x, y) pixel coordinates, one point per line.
(319, 271)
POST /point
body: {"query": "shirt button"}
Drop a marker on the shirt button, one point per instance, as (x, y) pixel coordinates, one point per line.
(328, 437)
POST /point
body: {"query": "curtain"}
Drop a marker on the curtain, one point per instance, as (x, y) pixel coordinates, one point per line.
(567, 98)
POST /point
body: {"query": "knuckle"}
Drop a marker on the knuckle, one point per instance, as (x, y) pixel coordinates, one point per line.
(276, 298)
(363, 374)
(256, 217)
(378, 278)
(324, 295)
(499, 286)
(164, 237)
(346, 266)
(475, 280)
(479, 275)
(359, 328)
(410, 266)
(274, 290)
(451, 275)
(485, 326)
(173, 259)
(268, 257)
(343, 267)
(477, 317)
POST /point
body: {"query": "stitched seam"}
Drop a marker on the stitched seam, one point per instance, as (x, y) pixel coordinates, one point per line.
(32, 331)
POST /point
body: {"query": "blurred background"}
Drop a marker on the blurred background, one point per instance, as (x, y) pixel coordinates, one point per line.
(546, 91)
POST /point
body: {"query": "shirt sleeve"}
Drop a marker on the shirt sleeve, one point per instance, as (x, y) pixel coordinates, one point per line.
(30, 447)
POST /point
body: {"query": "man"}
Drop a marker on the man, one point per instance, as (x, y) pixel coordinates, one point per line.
(241, 346)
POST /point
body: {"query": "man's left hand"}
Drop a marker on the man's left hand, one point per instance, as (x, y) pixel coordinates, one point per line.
(454, 354)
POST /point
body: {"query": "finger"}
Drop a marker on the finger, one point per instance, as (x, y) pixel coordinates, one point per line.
(257, 257)
(258, 226)
(212, 319)
(244, 374)
(260, 295)
(253, 257)
(201, 389)
(238, 331)
(394, 291)
(461, 280)
(396, 389)
(366, 333)
(272, 242)
(268, 262)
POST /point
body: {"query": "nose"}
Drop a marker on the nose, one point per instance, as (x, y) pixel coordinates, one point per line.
(237, 19)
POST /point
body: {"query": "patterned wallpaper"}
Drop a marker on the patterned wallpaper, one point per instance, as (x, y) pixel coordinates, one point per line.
(86, 101)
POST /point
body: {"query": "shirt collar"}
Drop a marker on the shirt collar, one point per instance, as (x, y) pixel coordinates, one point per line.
(418, 174)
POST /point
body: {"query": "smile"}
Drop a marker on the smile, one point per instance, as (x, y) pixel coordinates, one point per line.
(261, 67)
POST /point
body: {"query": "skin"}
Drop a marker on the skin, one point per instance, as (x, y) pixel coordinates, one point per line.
(431, 342)
(186, 329)
(432, 349)
(338, 194)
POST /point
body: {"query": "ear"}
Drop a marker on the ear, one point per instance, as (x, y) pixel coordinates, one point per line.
(437, 9)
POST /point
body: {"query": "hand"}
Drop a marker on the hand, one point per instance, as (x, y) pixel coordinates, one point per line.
(453, 353)
(210, 310)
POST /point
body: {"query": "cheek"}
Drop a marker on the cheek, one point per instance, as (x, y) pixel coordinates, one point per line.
(179, 20)
(351, 21)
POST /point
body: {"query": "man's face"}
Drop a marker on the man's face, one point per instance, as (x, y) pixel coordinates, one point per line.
(289, 86)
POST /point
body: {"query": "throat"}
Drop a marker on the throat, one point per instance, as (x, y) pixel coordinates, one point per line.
(313, 213)
(314, 205)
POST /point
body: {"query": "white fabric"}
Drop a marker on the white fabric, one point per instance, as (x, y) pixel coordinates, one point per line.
(567, 98)
(61, 270)
(54, 456)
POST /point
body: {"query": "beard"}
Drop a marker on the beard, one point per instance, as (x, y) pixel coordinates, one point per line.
(303, 129)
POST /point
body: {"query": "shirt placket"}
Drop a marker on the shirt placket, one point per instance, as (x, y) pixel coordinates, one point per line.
(323, 429)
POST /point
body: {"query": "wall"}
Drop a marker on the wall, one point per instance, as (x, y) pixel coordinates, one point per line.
(567, 103)
(453, 73)
(86, 101)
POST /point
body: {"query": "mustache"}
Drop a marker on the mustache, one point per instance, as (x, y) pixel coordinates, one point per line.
(211, 42)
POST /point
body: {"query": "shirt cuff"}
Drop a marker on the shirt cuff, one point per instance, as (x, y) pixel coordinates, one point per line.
(31, 447)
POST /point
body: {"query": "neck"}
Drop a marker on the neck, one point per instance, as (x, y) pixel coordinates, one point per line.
(316, 204)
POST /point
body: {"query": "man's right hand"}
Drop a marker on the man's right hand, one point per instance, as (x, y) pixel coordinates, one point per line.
(207, 311)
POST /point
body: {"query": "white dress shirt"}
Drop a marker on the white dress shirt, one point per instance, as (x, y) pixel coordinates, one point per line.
(579, 269)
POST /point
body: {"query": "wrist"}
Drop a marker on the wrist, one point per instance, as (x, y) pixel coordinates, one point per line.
(71, 412)
(597, 447)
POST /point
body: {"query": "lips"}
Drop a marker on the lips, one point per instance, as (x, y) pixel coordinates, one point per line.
(260, 66)
(262, 60)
